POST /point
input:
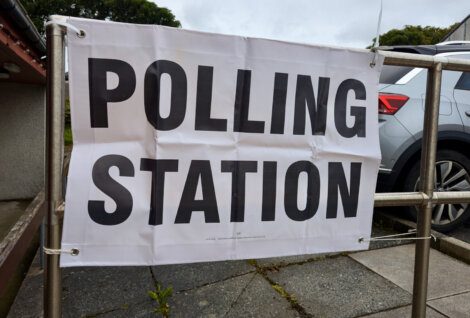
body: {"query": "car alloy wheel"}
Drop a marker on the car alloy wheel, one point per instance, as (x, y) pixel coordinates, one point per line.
(452, 174)
(449, 176)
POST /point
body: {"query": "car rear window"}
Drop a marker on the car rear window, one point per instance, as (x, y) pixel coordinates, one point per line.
(464, 82)
(392, 74)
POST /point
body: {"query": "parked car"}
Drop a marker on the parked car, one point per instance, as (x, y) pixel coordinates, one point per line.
(401, 115)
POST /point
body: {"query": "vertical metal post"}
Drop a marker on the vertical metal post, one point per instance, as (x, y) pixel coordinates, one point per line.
(42, 240)
(54, 159)
(428, 163)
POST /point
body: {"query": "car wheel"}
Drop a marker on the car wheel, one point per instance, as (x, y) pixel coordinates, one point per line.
(452, 174)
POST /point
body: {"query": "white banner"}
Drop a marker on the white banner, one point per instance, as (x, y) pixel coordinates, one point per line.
(192, 146)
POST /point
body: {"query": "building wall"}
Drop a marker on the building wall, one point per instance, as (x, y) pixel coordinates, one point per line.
(22, 123)
(462, 33)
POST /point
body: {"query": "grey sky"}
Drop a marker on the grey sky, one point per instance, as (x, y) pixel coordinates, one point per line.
(350, 23)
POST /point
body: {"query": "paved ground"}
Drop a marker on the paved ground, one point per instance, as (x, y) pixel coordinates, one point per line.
(375, 284)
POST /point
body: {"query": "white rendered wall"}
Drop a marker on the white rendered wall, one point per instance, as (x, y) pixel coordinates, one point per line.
(22, 111)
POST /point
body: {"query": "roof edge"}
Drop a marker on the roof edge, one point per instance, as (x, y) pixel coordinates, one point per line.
(20, 18)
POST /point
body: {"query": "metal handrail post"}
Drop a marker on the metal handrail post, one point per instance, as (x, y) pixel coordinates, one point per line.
(54, 160)
(428, 163)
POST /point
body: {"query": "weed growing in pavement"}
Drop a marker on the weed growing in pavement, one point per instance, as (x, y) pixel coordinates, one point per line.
(161, 296)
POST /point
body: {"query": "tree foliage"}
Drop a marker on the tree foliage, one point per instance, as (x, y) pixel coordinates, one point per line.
(132, 11)
(414, 35)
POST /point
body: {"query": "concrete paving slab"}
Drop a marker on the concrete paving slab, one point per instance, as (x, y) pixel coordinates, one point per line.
(288, 260)
(259, 299)
(339, 287)
(213, 300)
(221, 298)
(248, 295)
(89, 291)
(397, 265)
(144, 309)
(189, 276)
(457, 306)
(404, 312)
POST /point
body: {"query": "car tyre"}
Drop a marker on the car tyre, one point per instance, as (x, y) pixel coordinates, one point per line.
(452, 174)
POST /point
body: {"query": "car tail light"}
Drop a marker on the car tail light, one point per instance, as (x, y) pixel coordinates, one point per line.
(389, 104)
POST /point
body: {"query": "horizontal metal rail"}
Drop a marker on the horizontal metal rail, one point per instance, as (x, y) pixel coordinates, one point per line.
(420, 198)
(425, 61)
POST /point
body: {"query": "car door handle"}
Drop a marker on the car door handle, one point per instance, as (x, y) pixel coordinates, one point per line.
(467, 113)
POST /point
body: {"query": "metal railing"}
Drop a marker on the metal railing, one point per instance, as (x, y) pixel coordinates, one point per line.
(426, 198)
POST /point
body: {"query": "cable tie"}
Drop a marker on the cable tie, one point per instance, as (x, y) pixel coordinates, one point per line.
(52, 251)
(393, 237)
